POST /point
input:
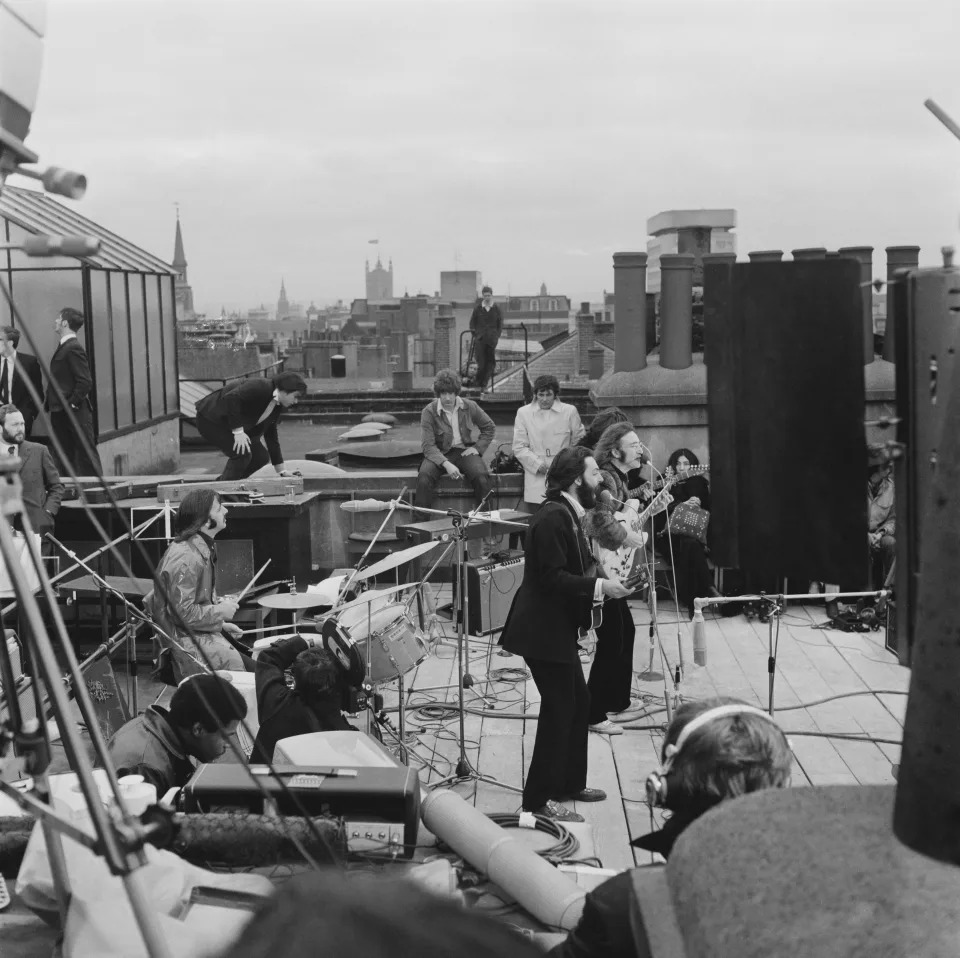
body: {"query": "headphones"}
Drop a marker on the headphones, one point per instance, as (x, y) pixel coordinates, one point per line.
(656, 783)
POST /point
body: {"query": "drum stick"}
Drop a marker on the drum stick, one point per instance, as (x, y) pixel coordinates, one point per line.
(253, 581)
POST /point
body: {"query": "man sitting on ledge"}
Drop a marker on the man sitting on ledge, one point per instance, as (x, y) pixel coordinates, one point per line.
(454, 433)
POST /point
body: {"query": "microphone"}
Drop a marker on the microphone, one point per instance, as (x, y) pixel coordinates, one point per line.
(60, 245)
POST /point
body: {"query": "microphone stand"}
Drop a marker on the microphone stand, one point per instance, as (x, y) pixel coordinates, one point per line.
(461, 521)
(348, 580)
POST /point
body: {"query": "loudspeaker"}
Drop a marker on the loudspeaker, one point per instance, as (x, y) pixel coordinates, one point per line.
(785, 398)
(491, 585)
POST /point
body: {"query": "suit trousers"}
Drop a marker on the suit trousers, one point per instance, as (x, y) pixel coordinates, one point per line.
(473, 468)
(73, 451)
(558, 768)
(485, 353)
(239, 465)
(611, 675)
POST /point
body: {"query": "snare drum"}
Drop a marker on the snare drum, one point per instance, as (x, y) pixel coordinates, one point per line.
(396, 646)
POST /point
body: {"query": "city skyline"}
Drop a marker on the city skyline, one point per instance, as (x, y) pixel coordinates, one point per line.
(286, 152)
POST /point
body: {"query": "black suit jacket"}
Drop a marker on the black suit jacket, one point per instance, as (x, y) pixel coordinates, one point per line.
(556, 594)
(42, 488)
(70, 369)
(26, 367)
(242, 403)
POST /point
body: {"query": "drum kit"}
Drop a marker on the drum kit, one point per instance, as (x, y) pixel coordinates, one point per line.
(370, 631)
(373, 636)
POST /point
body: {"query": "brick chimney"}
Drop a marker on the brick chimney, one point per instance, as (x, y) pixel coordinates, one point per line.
(810, 252)
(630, 320)
(585, 328)
(864, 256)
(444, 329)
(766, 256)
(716, 274)
(676, 310)
(898, 257)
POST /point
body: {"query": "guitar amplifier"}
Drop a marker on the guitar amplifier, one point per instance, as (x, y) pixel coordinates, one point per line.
(491, 585)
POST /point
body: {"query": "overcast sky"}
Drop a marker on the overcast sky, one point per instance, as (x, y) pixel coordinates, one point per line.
(527, 140)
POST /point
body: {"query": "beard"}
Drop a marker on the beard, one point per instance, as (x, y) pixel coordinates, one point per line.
(586, 496)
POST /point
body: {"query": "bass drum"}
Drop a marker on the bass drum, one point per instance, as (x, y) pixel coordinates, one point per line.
(395, 645)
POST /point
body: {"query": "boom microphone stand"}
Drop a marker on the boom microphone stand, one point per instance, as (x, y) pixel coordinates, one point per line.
(120, 840)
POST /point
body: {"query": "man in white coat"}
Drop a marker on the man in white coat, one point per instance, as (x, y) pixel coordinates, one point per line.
(540, 431)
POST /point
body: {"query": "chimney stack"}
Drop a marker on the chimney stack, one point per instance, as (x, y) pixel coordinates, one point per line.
(630, 321)
(810, 252)
(676, 310)
(864, 256)
(766, 256)
(584, 338)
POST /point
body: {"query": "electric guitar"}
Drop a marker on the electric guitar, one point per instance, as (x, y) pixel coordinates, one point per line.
(619, 563)
(669, 476)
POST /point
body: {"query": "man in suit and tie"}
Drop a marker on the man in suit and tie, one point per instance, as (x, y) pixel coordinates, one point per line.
(554, 600)
(42, 489)
(70, 370)
(15, 370)
(236, 418)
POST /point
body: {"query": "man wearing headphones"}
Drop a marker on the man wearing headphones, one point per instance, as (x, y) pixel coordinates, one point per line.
(714, 750)
(191, 613)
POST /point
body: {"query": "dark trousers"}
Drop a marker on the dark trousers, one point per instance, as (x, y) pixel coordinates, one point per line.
(73, 451)
(611, 675)
(485, 354)
(473, 468)
(239, 465)
(691, 569)
(559, 764)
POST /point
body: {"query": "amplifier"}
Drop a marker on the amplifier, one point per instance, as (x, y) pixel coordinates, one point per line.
(380, 806)
(491, 585)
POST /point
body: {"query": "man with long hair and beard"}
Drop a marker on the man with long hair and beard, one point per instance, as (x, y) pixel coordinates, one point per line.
(559, 587)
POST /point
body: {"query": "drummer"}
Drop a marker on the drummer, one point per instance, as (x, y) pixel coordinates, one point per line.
(312, 705)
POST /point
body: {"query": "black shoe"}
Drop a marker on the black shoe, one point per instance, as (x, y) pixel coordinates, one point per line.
(585, 795)
(558, 813)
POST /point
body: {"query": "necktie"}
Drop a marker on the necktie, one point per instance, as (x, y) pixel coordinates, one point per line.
(266, 413)
(5, 382)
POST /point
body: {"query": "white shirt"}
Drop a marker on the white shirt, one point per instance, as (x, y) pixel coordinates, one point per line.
(486, 307)
(66, 336)
(454, 420)
(580, 512)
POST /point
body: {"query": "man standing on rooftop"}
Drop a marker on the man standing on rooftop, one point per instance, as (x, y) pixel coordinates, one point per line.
(486, 325)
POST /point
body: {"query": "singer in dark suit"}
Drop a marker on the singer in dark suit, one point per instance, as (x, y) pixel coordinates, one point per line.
(42, 489)
(237, 417)
(552, 604)
(70, 370)
(15, 370)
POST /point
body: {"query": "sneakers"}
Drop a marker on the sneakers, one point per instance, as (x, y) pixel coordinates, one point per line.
(558, 813)
(606, 727)
(629, 713)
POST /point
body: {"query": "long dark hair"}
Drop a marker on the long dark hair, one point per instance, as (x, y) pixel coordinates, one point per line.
(609, 442)
(677, 453)
(603, 420)
(193, 512)
(565, 469)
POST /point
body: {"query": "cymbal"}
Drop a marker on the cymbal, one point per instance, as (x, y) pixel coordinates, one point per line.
(395, 559)
(370, 595)
(292, 601)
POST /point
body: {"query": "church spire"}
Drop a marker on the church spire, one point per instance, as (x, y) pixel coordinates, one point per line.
(179, 258)
(283, 305)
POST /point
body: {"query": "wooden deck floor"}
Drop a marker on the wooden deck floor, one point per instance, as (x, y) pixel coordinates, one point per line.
(813, 664)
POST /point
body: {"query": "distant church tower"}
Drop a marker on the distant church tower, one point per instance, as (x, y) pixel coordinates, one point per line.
(379, 281)
(283, 306)
(182, 292)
